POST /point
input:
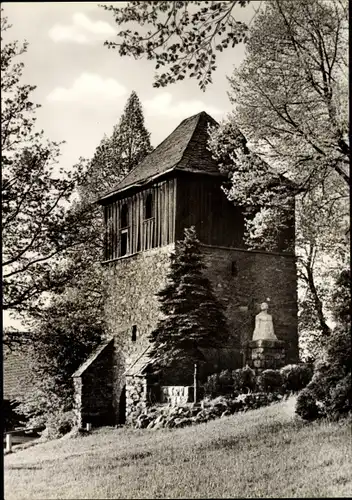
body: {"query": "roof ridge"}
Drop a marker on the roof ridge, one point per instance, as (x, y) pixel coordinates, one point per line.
(194, 130)
(139, 163)
(183, 147)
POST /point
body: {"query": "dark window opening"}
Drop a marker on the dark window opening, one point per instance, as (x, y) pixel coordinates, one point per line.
(234, 270)
(134, 333)
(124, 215)
(122, 406)
(138, 242)
(149, 206)
(123, 242)
(108, 233)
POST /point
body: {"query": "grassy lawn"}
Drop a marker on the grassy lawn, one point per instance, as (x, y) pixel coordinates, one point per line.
(262, 453)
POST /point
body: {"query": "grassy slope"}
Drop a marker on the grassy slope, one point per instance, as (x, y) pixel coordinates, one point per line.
(263, 453)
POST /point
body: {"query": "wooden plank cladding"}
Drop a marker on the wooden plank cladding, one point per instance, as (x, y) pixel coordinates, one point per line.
(202, 203)
(148, 234)
(141, 221)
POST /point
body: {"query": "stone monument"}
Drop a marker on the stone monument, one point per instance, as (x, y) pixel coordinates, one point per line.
(264, 328)
(267, 351)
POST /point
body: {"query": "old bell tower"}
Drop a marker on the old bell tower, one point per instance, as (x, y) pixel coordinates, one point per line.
(176, 186)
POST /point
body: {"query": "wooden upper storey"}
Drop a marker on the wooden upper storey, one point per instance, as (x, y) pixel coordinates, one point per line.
(157, 215)
(176, 186)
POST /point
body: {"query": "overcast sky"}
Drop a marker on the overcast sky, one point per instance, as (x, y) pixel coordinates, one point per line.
(83, 86)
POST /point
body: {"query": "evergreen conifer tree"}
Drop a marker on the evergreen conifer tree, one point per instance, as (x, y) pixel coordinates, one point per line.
(130, 137)
(193, 320)
(121, 152)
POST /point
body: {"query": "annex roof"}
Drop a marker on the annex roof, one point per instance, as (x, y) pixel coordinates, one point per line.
(16, 365)
(90, 360)
(184, 149)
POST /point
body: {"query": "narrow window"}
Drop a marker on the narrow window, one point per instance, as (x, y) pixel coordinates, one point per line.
(124, 215)
(138, 241)
(134, 333)
(234, 270)
(123, 242)
(108, 232)
(149, 207)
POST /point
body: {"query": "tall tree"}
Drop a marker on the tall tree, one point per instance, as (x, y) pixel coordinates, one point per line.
(118, 154)
(193, 317)
(67, 331)
(38, 224)
(130, 136)
(291, 91)
(290, 98)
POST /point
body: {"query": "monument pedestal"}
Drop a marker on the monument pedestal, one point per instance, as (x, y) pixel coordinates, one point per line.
(265, 354)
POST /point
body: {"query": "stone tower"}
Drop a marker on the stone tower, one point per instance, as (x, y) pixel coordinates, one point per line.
(176, 186)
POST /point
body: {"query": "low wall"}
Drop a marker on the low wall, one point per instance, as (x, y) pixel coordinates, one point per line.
(176, 394)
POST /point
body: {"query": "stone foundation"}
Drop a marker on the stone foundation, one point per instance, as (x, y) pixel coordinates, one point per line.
(105, 389)
(267, 354)
(136, 397)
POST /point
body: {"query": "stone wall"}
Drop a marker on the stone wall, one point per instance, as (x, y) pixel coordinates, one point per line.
(242, 280)
(136, 397)
(133, 282)
(94, 390)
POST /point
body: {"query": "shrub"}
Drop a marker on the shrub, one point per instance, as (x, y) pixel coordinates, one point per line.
(58, 424)
(211, 386)
(244, 380)
(270, 381)
(296, 377)
(330, 385)
(12, 418)
(341, 298)
(339, 348)
(307, 406)
(225, 382)
(339, 402)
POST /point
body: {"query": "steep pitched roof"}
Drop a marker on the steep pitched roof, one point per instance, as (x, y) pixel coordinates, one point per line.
(90, 360)
(184, 149)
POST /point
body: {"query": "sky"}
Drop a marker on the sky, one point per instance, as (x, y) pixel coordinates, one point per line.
(82, 86)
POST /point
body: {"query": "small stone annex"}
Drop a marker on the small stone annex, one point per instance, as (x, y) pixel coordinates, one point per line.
(176, 186)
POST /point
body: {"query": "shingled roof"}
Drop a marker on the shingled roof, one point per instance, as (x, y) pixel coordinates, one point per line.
(184, 149)
(16, 365)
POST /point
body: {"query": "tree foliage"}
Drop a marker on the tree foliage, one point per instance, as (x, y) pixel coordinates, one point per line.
(38, 225)
(181, 36)
(193, 318)
(66, 333)
(72, 323)
(291, 91)
(322, 250)
(265, 195)
(329, 392)
(290, 96)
